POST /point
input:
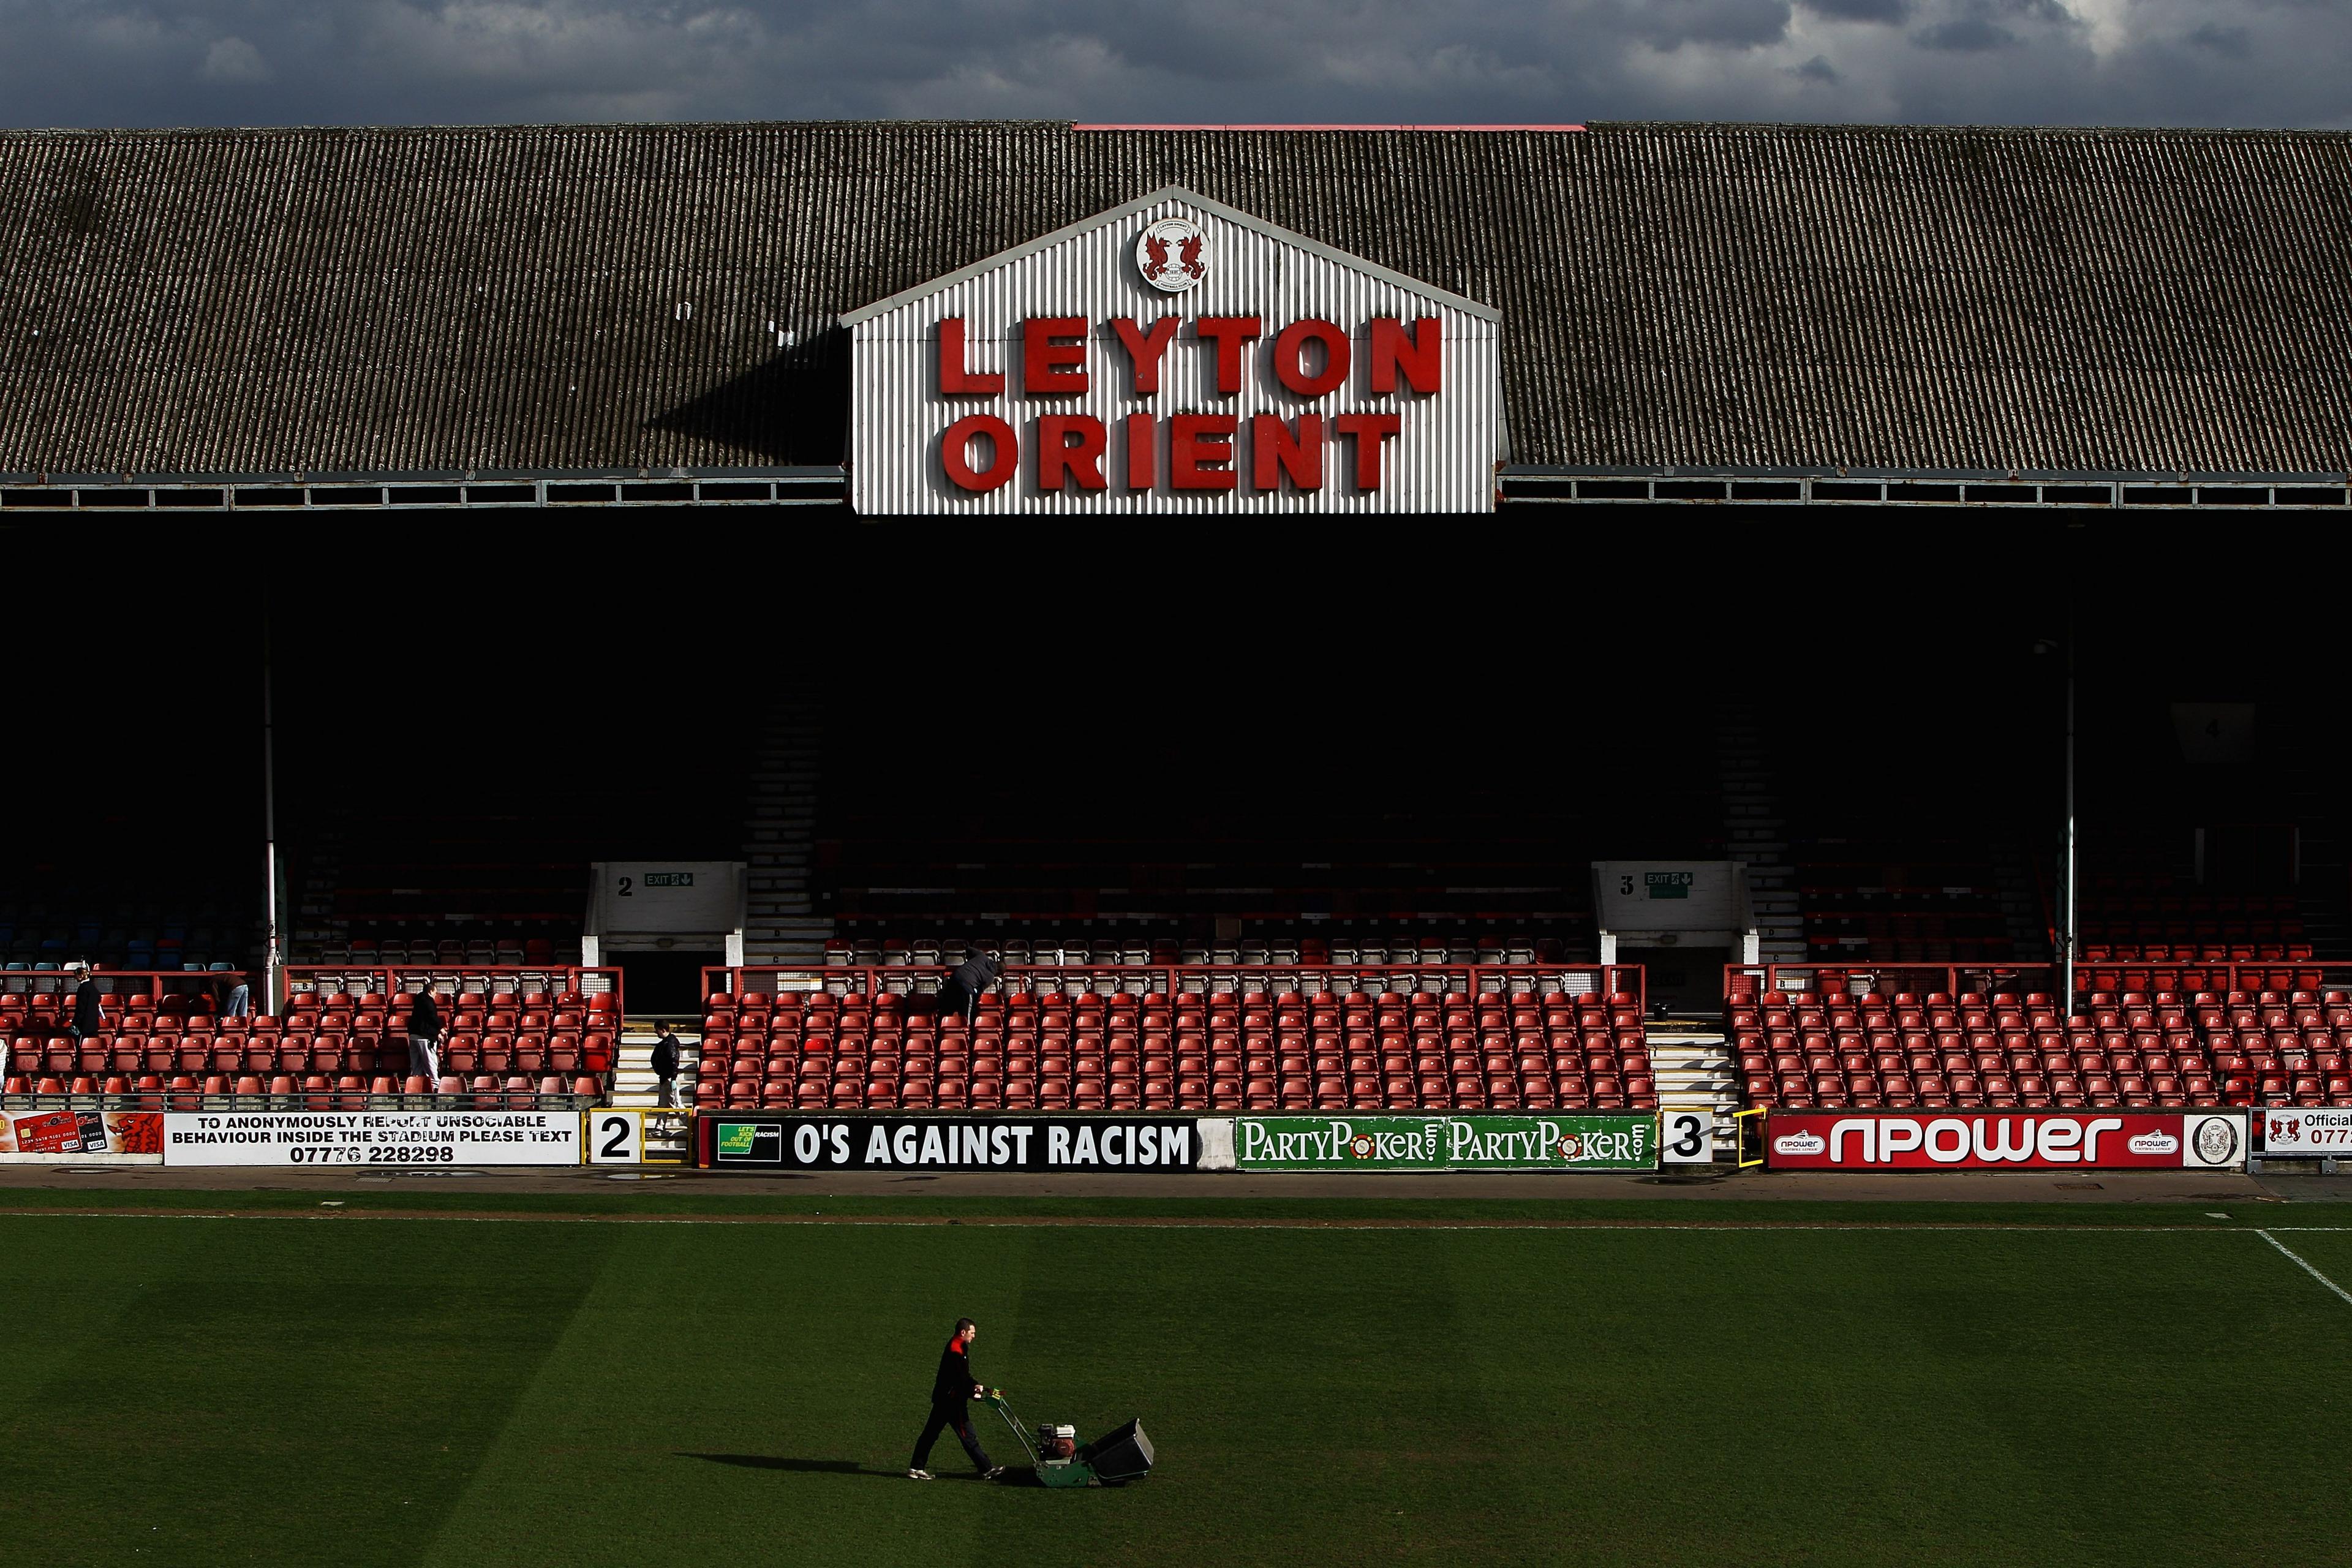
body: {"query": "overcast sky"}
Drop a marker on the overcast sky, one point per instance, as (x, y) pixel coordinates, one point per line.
(2076, 62)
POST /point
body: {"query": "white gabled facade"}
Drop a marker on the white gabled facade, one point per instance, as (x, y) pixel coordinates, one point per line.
(1052, 307)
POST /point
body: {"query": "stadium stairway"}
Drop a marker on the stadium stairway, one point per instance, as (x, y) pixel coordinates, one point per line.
(2021, 905)
(634, 1084)
(2319, 891)
(633, 1075)
(1692, 1064)
(781, 923)
(1757, 837)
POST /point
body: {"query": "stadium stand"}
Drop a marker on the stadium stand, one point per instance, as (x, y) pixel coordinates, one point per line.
(1914, 901)
(1363, 944)
(1829, 1037)
(1150, 1037)
(533, 1039)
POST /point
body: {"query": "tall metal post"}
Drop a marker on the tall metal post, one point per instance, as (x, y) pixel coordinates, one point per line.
(271, 958)
(2072, 931)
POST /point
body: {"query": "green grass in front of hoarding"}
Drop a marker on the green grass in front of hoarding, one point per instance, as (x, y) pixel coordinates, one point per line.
(721, 1199)
(205, 1391)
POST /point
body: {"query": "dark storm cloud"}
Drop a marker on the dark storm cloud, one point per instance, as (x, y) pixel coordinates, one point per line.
(1860, 10)
(122, 62)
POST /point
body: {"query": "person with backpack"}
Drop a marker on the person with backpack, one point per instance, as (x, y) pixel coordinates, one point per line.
(664, 1065)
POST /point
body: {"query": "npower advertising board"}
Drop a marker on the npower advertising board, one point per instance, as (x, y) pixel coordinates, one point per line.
(2005, 1140)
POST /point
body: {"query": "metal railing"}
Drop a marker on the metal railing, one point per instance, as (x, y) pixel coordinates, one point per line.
(456, 981)
(1176, 979)
(1896, 979)
(115, 984)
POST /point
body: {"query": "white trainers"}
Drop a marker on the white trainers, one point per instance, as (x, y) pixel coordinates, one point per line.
(919, 1475)
(991, 1474)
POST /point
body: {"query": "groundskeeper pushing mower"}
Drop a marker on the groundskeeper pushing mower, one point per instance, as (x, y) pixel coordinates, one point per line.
(1053, 1452)
(952, 1391)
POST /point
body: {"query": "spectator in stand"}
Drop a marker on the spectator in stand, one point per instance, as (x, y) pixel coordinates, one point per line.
(89, 1012)
(972, 976)
(666, 1066)
(240, 1000)
(425, 1038)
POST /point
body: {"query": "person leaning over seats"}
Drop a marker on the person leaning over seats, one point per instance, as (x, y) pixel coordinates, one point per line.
(975, 975)
(951, 1389)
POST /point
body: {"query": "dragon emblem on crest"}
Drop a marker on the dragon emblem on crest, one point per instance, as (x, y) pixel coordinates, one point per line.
(1169, 254)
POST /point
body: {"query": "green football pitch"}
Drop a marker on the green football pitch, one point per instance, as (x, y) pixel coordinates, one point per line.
(2119, 1387)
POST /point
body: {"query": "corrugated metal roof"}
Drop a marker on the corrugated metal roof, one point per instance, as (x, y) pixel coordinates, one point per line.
(542, 299)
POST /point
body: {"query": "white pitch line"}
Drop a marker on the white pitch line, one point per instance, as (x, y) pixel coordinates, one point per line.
(1005, 1222)
(2341, 1294)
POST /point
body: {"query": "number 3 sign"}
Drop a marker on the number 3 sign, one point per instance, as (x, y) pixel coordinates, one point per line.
(1687, 1137)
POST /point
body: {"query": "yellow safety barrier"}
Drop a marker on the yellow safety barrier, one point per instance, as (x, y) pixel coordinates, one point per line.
(623, 1135)
(1739, 1129)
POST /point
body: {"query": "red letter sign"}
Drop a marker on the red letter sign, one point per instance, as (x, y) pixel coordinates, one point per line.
(1069, 444)
(1195, 440)
(1418, 355)
(1145, 350)
(1290, 363)
(1272, 448)
(1006, 452)
(954, 380)
(1142, 451)
(1369, 430)
(1229, 333)
(1041, 358)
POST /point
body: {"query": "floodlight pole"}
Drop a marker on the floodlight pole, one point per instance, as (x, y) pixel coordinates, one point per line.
(2068, 941)
(270, 957)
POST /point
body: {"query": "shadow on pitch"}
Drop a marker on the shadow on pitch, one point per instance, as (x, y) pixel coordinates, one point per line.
(803, 1467)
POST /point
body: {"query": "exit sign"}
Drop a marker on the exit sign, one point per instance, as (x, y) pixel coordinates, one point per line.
(1667, 884)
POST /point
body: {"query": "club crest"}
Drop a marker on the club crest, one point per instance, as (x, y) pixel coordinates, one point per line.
(1168, 253)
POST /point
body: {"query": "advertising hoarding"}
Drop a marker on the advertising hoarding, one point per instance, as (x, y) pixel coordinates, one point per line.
(1559, 1141)
(386, 1138)
(2305, 1133)
(81, 1137)
(2005, 1140)
(948, 1142)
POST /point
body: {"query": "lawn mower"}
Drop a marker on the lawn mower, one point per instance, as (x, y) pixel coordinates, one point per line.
(1114, 1460)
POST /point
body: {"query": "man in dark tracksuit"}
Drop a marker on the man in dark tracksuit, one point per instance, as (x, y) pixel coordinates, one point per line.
(89, 1014)
(972, 976)
(665, 1066)
(951, 1390)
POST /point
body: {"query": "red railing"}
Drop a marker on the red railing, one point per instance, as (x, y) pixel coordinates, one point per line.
(2186, 977)
(1893, 979)
(455, 979)
(2183, 979)
(1172, 979)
